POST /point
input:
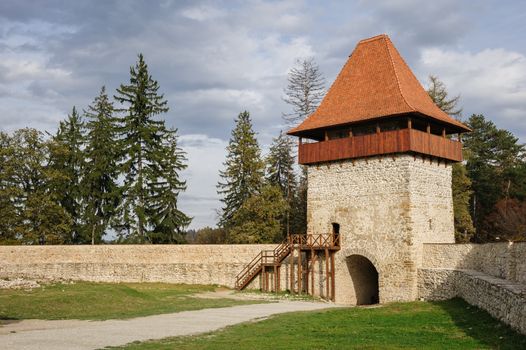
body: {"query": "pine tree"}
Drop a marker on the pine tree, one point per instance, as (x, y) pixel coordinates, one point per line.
(147, 160)
(101, 191)
(494, 159)
(438, 93)
(244, 169)
(462, 192)
(298, 209)
(304, 91)
(461, 184)
(280, 173)
(67, 158)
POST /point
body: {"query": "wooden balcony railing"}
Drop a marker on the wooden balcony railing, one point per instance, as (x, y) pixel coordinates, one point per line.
(386, 142)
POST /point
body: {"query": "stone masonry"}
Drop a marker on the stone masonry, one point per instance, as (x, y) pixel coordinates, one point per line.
(387, 207)
(191, 264)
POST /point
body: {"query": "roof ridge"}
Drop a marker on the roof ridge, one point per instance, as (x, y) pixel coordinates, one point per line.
(373, 38)
(396, 74)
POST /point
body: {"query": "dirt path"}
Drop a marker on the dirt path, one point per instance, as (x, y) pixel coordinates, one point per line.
(75, 334)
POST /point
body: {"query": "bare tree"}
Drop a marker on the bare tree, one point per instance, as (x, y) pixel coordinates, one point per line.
(304, 91)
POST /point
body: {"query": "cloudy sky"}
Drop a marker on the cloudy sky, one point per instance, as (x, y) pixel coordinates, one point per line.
(214, 59)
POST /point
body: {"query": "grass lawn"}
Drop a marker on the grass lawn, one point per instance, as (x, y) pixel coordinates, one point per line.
(101, 301)
(449, 324)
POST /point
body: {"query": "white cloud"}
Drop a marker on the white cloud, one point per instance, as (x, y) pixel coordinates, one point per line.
(202, 13)
(205, 159)
(491, 82)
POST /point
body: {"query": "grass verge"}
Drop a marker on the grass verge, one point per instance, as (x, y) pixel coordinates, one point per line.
(102, 301)
(449, 324)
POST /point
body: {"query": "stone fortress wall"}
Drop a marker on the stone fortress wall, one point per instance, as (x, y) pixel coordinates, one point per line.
(191, 264)
(491, 276)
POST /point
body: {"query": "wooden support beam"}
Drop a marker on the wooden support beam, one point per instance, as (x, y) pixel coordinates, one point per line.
(378, 128)
(301, 141)
(333, 284)
(278, 280)
(312, 262)
(291, 269)
(327, 274)
(444, 132)
(428, 128)
(275, 278)
(300, 272)
(350, 132)
(326, 135)
(409, 123)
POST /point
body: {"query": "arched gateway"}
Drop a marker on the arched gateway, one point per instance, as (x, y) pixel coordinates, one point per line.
(379, 162)
(365, 280)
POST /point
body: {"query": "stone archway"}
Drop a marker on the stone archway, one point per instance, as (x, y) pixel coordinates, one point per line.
(364, 276)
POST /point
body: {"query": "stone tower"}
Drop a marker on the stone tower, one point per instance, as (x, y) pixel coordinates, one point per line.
(379, 155)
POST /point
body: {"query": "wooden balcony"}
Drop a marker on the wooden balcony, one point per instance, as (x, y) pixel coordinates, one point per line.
(386, 142)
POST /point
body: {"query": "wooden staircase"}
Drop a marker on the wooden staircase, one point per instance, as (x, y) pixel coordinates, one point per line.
(265, 258)
(270, 261)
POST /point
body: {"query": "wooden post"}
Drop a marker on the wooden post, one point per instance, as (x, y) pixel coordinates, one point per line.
(313, 262)
(444, 132)
(377, 128)
(291, 268)
(278, 280)
(350, 132)
(428, 128)
(333, 284)
(300, 272)
(275, 278)
(459, 137)
(326, 135)
(409, 123)
(327, 273)
(301, 141)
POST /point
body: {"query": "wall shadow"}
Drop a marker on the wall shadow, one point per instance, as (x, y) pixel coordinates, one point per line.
(480, 325)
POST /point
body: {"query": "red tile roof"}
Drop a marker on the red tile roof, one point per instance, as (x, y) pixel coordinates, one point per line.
(375, 82)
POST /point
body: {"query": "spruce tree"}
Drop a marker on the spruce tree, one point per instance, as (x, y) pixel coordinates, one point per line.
(67, 159)
(280, 173)
(169, 221)
(147, 161)
(101, 191)
(244, 169)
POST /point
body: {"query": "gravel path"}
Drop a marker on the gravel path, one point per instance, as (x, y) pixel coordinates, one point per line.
(76, 334)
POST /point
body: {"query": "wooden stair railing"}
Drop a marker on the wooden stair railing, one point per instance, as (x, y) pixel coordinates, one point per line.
(264, 258)
(281, 252)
